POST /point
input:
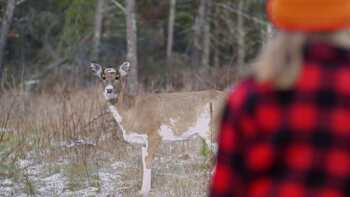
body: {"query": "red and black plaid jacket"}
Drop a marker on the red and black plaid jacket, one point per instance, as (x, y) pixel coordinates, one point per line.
(292, 142)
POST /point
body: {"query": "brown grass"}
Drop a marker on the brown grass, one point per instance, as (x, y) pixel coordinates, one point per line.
(64, 123)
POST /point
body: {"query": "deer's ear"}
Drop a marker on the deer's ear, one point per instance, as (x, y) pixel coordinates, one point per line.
(124, 69)
(96, 69)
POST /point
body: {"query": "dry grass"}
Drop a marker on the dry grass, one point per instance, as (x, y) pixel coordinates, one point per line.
(188, 79)
(63, 125)
(70, 132)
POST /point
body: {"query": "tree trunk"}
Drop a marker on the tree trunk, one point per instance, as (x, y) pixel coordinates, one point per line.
(240, 38)
(197, 34)
(201, 34)
(217, 36)
(132, 46)
(6, 23)
(171, 23)
(98, 28)
(206, 34)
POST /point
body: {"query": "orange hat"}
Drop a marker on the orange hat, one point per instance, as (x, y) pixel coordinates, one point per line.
(309, 15)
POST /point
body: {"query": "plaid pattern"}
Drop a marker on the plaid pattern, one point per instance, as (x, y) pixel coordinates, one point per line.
(293, 142)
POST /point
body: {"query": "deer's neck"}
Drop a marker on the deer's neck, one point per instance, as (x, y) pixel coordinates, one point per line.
(121, 117)
(125, 101)
(121, 107)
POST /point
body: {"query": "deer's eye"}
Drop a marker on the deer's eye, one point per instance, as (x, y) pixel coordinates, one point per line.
(103, 77)
(117, 77)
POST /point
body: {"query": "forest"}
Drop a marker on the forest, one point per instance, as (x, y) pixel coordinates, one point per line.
(173, 43)
(57, 137)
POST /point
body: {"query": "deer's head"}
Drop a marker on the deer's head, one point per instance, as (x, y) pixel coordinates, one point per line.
(112, 78)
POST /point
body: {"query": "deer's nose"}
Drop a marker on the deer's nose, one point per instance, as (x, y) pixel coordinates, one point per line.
(109, 91)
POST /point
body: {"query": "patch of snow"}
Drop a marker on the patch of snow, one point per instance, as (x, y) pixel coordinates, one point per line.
(118, 165)
(89, 191)
(53, 185)
(78, 142)
(109, 182)
(6, 182)
(7, 130)
(6, 188)
(23, 163)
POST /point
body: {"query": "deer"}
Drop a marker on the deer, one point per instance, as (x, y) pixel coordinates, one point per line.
(152, 119)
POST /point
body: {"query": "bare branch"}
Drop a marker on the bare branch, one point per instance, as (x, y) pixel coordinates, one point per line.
(55, 64)
(20, 2)
(239, 12)
(119, 5)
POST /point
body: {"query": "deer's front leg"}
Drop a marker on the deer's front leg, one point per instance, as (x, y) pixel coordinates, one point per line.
(146, 177)
(148, 153)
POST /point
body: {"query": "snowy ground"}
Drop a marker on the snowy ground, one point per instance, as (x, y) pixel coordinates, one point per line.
(178, 170)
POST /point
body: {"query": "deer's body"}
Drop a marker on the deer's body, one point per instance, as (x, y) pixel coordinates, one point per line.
(168, 116)
(152, 119)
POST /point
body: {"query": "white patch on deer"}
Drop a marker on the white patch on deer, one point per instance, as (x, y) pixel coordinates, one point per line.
(109, 96)
(201, 127)
(128, 137)
(110, 70)
(115, 113)
(172, 122)
(135, 138)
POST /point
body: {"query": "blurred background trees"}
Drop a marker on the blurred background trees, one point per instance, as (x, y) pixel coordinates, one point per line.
(172, 44)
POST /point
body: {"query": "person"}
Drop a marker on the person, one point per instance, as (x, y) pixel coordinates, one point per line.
(286, 127)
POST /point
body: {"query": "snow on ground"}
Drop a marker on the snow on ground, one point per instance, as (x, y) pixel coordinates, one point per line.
(178, 170)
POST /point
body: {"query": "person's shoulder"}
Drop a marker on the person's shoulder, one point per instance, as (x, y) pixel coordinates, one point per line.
(243, 91)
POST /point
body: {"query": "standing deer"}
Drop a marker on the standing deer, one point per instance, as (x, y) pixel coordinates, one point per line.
(151, 119)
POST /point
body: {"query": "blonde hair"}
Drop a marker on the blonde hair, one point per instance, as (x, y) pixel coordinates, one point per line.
(280, 60)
